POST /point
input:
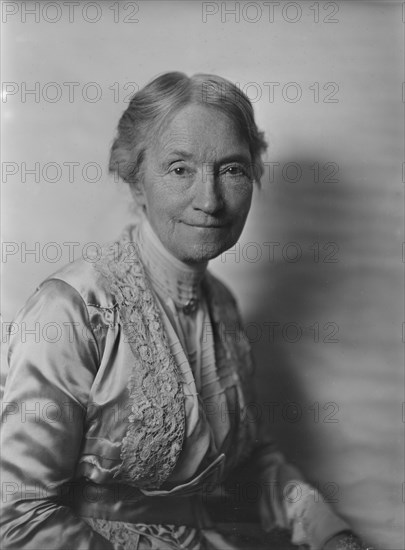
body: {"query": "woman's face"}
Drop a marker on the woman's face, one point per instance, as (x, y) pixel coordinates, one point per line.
(197, 187)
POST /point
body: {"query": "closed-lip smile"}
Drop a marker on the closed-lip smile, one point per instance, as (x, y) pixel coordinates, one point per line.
(206, 225)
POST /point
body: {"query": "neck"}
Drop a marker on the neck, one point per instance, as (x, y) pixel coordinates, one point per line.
(169, 276)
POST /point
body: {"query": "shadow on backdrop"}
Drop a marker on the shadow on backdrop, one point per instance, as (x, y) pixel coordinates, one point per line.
(313, 329)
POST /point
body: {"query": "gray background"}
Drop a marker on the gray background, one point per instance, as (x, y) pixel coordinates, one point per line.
(344, 427)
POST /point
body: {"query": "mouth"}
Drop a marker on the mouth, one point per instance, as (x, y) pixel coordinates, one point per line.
(206, 225)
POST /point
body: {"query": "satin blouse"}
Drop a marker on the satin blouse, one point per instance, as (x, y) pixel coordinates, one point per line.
(117, 400)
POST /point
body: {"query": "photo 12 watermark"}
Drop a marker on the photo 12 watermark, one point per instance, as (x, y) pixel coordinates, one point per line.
(270, 12)
(53, 331)
(67, 91)
(274, 91)
(70, 12)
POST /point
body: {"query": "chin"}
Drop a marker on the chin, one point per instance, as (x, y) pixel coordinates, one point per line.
(203, 253)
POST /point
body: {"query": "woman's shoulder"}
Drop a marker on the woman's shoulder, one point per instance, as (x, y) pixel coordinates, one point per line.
(91, 275)
(82, 277)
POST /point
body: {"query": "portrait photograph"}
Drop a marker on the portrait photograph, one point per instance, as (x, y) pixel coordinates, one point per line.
(202, 319)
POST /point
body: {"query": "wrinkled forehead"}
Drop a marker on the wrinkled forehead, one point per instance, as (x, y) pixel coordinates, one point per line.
(205, 132)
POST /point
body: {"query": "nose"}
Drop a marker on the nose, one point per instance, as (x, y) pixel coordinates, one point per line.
(207, 197)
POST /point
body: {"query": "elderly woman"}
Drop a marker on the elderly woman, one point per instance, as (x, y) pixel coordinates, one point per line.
(131, 430)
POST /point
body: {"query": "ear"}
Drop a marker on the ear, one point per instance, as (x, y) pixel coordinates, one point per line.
(138, 192)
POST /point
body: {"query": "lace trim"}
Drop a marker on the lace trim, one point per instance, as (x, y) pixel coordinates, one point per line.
(122, 535)
(127, 535)
(155, 433)
(233, 358)
(156, 425)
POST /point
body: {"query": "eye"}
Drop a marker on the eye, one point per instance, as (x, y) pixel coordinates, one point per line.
(180, 170)
(234, 171)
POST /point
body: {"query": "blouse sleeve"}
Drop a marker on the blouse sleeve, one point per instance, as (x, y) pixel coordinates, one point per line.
(53, 359)
(287, 501)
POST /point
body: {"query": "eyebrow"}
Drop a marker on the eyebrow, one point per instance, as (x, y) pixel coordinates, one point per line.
(237, 157)
(182, 154)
